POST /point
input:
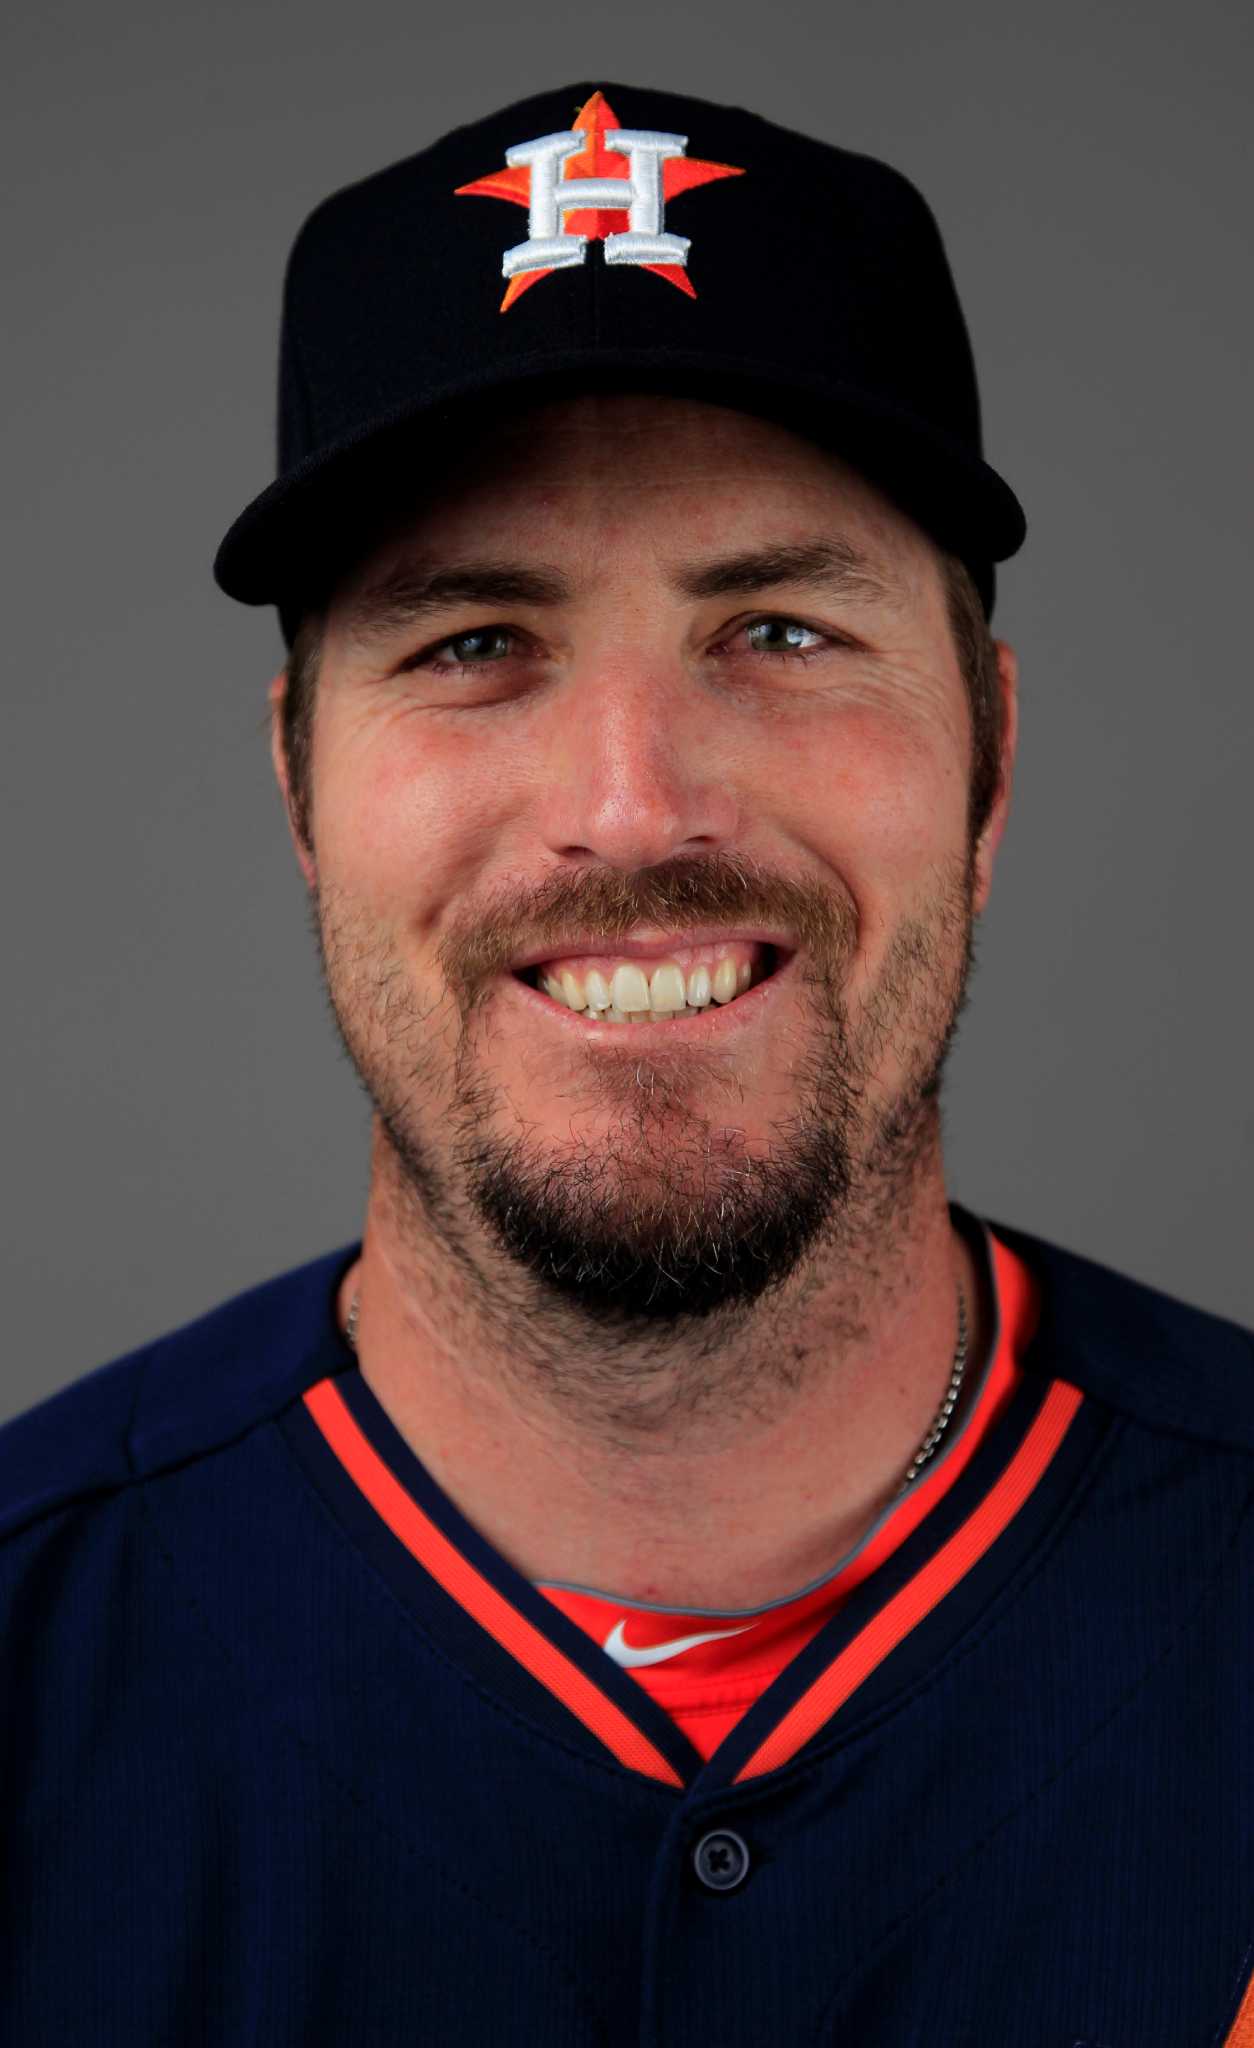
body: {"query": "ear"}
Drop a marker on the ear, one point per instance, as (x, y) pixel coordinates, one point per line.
(990, 838)
(304, 850)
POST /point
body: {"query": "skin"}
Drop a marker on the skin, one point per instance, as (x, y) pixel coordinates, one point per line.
(723, 1462)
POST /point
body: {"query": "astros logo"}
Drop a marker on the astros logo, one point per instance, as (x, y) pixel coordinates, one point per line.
(577, 185)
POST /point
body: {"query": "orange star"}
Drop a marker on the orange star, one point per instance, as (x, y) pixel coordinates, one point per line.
(679, 174)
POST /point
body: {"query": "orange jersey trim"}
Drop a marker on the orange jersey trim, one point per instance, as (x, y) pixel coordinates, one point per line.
(925, 1590)
(1241, 2034)
(472, 1591)
(596, 1709)
(714, 1684)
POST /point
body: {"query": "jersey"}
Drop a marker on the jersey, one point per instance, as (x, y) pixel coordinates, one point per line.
(291, 1754)
(707, 1667)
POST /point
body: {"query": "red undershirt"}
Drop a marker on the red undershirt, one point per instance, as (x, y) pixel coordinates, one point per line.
(706, 1686)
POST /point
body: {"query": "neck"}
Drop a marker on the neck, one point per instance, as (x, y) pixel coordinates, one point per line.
(723, 1476)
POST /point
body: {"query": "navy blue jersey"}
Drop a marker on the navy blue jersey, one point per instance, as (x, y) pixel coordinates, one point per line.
(291, 1755)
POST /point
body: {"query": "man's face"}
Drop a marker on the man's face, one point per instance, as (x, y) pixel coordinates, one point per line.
(654, 702)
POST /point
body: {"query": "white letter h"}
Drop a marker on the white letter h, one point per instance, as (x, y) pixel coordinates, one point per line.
(639, 195)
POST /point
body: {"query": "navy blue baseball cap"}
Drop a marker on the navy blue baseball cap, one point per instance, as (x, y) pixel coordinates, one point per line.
(622, 238)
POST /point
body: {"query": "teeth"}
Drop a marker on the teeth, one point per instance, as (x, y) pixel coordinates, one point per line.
(726, 981)
(631, 994)
(630, 988)
(615, 1016)
(666, 990)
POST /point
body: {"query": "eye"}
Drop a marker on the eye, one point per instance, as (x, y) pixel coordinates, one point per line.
(782, 636)
(472, 650)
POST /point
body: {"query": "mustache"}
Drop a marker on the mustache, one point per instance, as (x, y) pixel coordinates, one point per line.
(606, 903)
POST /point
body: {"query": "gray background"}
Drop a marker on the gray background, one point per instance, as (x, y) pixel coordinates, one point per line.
(179, 1122)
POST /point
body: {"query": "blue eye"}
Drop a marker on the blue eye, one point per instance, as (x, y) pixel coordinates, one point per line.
(781, 636)
(467, 650)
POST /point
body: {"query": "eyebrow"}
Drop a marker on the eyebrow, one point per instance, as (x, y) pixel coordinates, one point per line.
(411, 593)
(835, 565)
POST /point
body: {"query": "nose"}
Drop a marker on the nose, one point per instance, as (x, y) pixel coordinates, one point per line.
(636, 773)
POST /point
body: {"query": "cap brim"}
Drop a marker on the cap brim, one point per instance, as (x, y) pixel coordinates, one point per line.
(310, 526)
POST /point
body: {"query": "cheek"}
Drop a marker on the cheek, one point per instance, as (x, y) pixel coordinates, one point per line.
(410, 815)
(885, 799)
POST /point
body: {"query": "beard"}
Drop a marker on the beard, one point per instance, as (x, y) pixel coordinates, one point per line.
(671, 1216)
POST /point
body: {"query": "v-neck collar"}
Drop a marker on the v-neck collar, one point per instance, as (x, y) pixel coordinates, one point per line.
(893, 1628)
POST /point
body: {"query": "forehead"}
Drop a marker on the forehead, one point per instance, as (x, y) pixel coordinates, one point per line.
(577, 476)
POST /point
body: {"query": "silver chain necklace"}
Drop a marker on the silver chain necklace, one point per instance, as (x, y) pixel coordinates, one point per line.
(940, 1421)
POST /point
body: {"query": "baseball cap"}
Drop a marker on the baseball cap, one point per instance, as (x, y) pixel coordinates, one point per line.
(614, 236)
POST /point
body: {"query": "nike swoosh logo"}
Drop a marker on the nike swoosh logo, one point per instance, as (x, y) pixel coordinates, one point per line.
(657, 1653)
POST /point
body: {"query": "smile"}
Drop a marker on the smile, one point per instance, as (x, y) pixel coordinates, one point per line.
(662, 986)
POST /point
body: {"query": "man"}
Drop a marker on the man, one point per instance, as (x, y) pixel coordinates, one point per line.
(678, 1578)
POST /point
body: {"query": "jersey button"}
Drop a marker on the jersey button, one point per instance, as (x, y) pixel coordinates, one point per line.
(721, 1860)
